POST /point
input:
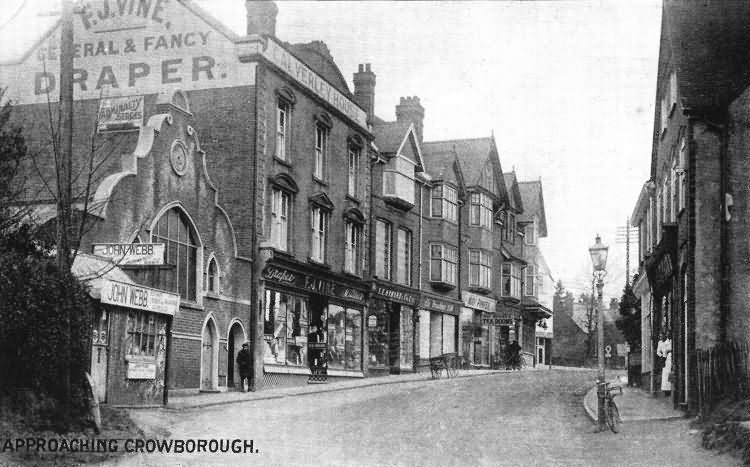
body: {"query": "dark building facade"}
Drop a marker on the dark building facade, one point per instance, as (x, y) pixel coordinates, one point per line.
(691, 211)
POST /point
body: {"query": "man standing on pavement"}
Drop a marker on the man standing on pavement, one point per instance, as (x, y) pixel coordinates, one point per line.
(245, 363)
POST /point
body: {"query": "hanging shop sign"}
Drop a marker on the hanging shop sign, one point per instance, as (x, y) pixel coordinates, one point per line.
(396, 295)
(478, 302)
(141, 370)
(436, 304)
(120, 114)
(130, 47)
(122, 254)
(312, 284)
(139, 297)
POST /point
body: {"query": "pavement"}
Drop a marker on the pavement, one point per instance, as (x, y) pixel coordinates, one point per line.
(183, 400)
(634, 404)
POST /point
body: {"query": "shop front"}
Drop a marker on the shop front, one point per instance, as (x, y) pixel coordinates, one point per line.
(437, 326)
(475, 335)
(312, 327)
(504, 327)
(392, 330)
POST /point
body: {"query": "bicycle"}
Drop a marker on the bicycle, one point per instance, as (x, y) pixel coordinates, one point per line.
(611, 412)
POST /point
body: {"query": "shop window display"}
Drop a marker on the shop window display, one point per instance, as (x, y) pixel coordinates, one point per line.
(377, 332)
(344, 338)
(285, 329)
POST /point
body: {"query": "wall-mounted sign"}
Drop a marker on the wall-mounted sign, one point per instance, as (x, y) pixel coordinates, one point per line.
(141, 370)
(437, 304)
(280, 57)
(396, 295)
(372, 321)
(145, 254)
(312, 284)
(495, 321)
(139, 297)
(120, 113)
(478, 302)
(130, 47)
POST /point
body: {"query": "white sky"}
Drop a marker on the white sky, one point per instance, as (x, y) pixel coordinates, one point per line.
(567, 87)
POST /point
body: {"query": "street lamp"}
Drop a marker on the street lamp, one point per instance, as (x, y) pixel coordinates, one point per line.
(598, 253)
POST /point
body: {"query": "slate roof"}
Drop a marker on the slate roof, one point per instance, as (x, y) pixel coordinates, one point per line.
(533, 203)
(471, 154)
(389, 135)
(514, 195)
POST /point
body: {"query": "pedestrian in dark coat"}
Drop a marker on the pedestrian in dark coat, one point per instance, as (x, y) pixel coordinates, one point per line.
(245, 363)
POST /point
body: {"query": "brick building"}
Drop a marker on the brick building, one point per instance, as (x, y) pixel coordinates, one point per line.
(267, 181)
(691, 211)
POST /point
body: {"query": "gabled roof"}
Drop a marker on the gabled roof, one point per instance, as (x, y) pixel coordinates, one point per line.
(393, 138)
(514, 194)
(316, 55)
(471, 155)
(533, 204)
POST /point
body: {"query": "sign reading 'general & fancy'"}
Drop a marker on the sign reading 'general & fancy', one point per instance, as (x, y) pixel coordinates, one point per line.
(131, 47)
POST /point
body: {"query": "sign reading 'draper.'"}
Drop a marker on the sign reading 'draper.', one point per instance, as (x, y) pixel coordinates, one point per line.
(139, 297)
(144, 254)
(130, 47)
(120, 113)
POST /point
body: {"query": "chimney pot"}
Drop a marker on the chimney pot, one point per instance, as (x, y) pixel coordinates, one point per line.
(364, 89)
(261, 17)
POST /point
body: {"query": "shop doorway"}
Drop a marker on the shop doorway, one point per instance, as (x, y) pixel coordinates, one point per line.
(209, 357)
(394, 338)
(100, 355)
(234, 345)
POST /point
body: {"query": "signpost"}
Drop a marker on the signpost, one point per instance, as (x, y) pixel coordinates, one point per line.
(141, 254)
(139, 297)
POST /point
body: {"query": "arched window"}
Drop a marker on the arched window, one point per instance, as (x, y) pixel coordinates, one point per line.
(175, 231)
(213, 276)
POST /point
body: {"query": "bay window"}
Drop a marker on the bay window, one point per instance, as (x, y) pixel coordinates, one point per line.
(398, 181)
(445, 202)
(530, 282)
(443, 260)
(511, 280)
(480, 267)
(481, 210)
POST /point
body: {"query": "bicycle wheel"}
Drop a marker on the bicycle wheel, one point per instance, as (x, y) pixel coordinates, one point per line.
(613, 416)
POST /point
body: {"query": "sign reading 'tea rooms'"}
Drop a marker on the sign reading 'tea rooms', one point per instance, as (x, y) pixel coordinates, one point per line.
(127, 47)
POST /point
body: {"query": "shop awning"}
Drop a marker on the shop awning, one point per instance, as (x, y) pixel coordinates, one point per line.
(94, 271)
(660, 265)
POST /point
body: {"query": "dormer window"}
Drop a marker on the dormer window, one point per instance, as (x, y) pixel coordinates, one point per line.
(530, 234)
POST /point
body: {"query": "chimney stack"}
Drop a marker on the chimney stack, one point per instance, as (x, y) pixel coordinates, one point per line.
(261, 17)
(409, 110)
(364, 89)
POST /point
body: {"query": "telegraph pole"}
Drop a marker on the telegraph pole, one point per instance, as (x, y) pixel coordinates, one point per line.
(623, 236)
(65, 156)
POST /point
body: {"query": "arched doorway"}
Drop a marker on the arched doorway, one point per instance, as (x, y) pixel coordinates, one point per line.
(209, 356)
(235, 339)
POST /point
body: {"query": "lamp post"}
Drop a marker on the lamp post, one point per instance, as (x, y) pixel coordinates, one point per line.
(598, 253)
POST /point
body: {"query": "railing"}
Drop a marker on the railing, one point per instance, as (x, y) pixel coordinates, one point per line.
(723, 372)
